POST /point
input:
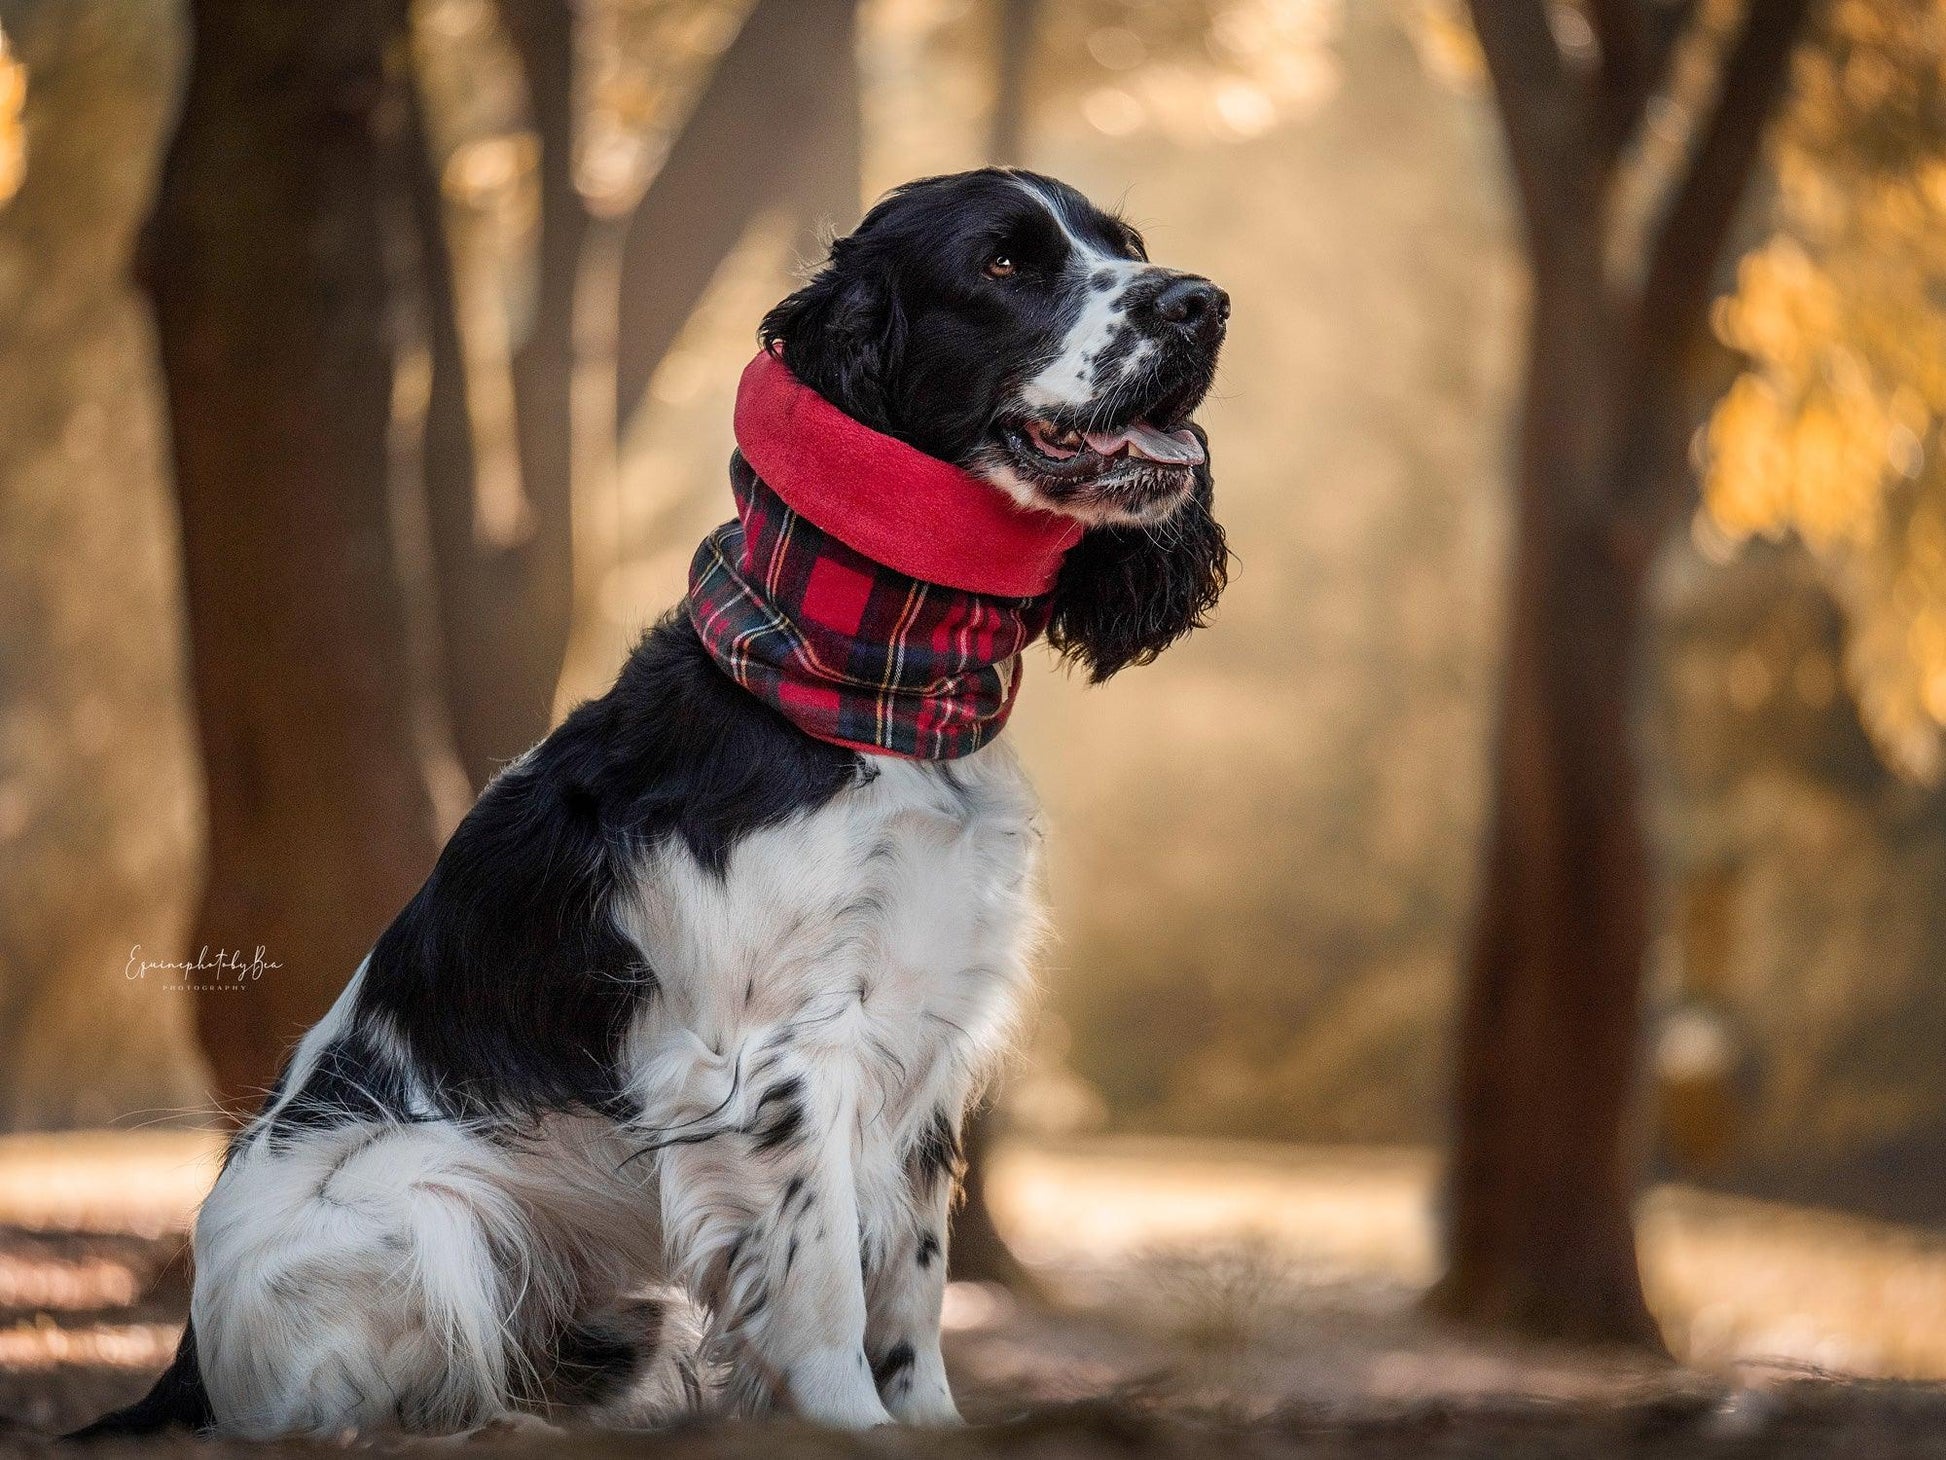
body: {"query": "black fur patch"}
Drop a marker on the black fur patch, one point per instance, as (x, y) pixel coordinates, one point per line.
(351, 1080)
(1127, 593)
(779, 1115)
(935, 1155)
(505, 974)
(594, 1361)
(895, 1364)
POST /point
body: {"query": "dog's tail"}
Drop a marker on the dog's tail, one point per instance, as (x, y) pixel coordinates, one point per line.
(177, 1398)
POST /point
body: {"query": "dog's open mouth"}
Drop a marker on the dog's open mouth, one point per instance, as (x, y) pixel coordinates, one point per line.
(1139, 441)
(1122, 457)
(1132, 473)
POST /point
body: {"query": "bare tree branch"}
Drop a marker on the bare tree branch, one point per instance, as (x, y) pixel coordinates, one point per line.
(1637, 41)
(505, 605)
(1543, 112)
(1649, 480)
(1666, 23)
(543, 35)
(1626, 76)
(765, 116)
(829, 177)
(1016, 25)
(1684, 254)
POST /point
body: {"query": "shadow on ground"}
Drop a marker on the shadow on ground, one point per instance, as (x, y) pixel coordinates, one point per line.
(1163, 1359)
(1200, 1301)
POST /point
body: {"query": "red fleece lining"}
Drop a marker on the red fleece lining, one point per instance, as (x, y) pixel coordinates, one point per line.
(914, 513)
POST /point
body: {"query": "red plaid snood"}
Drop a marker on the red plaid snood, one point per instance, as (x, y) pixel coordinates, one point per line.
(876, 596)
(848, 649)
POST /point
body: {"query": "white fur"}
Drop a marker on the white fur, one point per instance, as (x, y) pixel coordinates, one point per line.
(886, 939)
(1068, 381)
(874, 952)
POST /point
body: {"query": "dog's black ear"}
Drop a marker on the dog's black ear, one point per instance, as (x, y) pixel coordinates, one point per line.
(843, 335)
(1127, 593)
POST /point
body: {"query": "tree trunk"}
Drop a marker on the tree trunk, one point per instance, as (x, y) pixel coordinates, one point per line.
(979, 1253)
(99, 811)
(1540, 1235)
(505, 589)
(1540, 1232)
(267, 271)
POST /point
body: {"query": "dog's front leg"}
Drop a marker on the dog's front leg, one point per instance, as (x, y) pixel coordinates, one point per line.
(763, 1224)
(905, 1285)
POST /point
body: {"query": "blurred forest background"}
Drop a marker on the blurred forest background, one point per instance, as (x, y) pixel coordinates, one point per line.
(542, 237)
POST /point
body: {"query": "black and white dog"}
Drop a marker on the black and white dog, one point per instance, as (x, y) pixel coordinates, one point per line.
(695, 999)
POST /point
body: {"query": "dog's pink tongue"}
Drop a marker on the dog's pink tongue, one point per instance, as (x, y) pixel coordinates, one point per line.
(1176, 448)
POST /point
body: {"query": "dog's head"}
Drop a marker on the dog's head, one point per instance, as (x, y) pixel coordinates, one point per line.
(1000, 321)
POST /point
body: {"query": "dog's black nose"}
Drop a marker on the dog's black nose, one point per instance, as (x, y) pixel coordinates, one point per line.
(1195, 304)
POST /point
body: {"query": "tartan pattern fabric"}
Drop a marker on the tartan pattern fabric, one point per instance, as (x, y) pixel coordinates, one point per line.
(847, 649)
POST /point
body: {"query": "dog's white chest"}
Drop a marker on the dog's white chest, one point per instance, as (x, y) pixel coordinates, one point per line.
(887, 932)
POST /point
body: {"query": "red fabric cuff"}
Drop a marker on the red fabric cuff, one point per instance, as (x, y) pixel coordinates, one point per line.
(914, 513)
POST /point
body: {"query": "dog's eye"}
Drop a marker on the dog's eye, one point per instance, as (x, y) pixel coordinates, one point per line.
(1000, 267)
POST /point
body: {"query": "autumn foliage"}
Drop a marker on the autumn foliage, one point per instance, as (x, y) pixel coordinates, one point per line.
(1831, 432)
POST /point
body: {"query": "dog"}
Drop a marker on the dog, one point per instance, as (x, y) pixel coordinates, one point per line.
(700, 991)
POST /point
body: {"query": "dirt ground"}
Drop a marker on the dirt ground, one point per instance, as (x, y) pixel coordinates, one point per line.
(1197, 1340)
